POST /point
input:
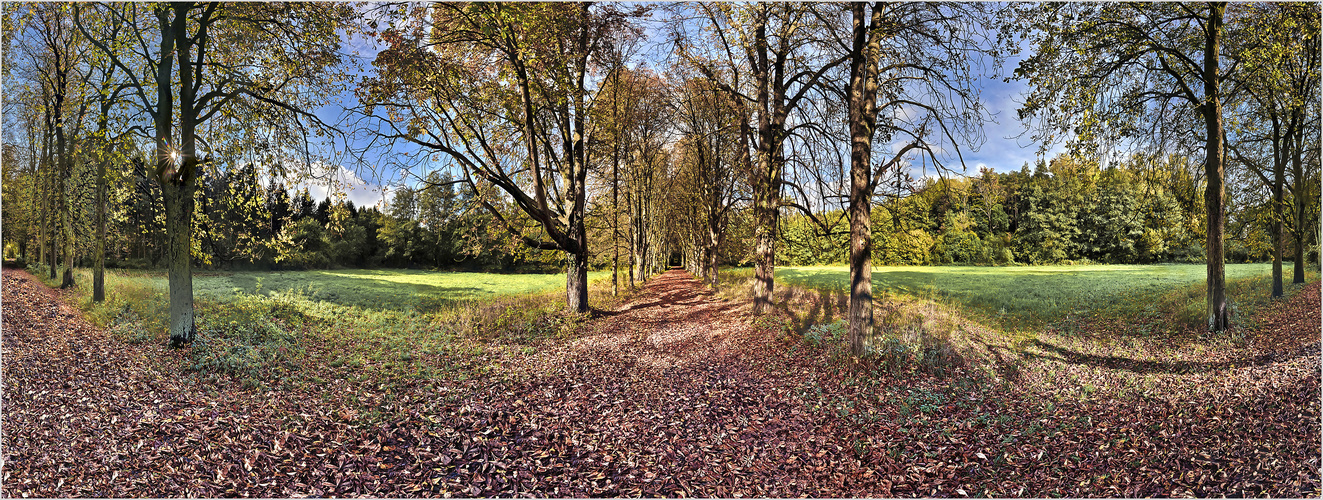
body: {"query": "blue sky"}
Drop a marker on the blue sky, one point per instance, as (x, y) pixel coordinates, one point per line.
(1005, 148)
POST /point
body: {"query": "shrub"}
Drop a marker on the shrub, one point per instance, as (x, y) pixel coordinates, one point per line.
(892, 354)
(829, 334)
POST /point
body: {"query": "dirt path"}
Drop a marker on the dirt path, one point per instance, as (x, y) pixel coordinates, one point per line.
(676, 394)
(673, 394)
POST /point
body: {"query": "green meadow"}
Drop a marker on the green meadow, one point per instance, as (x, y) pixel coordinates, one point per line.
(396, 289)
(378, 289)
(1035, 294)
(356, 326)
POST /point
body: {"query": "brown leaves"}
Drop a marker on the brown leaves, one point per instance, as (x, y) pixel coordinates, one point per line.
(685, 400)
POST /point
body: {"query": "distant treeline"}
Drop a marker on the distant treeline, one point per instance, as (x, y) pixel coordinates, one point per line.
(243, 223)
(1145, 210)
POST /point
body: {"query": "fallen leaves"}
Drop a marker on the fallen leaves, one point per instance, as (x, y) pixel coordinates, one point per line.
(682, 400)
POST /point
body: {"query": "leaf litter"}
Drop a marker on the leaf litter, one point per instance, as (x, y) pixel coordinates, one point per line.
(673, 394)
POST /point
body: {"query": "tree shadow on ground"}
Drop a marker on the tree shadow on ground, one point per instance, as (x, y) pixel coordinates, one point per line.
(672, 290)
(1146, 366)
(1009, 361)
(823, 307)
(372, 293)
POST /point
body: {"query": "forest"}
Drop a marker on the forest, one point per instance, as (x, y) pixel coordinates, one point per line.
(162, 163)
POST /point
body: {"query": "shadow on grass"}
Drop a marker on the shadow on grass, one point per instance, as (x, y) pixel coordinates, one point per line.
(369, 292)
(823, 311)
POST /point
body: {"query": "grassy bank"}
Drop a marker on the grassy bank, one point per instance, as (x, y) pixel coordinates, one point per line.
(1019, 320)
(356, 332)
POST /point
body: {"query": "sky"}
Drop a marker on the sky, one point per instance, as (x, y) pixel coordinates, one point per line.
(1006, 146)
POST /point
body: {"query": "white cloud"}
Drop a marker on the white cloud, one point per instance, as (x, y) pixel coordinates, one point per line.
(336, 180)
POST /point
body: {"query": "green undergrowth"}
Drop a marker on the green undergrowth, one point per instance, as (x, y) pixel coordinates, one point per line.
(278, 336)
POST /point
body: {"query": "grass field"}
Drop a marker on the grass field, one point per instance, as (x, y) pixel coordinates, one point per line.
(395, 289)
(1045, 293)
(306, 329)
(382, 289)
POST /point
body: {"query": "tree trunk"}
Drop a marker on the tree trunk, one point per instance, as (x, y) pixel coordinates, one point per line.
(764, 266)
(62, 172)
(1214, 170)
(99, 269)
(615, 218)
(178, 229)
(714, 253)
(576, 282)
(862, 97)
(1278, 242)
(55, 229)
(67, 279)
(765, 196)
(1278, 239)
(1301, 198)
(639, 255)
(43, 213)
(177, 185)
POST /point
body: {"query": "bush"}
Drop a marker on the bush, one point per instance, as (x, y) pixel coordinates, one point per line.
(892, 354)
(997, 250)
(1192, 253)
(302, 245)
(830, 334)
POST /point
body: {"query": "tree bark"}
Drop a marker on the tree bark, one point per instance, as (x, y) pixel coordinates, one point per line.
(178, 229)
(862, 101)
(1214, 170)
(99, 269)
(714, 253)
(576, 282)
(66, 215)
(177, 185)
(1278, 240)
(764, 248)
(1300, 199)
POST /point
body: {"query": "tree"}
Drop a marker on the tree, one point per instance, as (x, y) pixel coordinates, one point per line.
(1278, 46)
(55, 53)
(252, 69)
(707, 169)
(904, 60)
(503, 92)
(439, 211)
(108, 144)
(767, 58)
(1100, 70)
